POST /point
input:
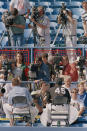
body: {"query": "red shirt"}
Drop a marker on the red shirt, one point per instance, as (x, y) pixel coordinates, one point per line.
(71, 70)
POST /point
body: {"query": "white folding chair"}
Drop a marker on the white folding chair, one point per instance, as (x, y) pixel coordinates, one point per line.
(60, 111)
(21, 108)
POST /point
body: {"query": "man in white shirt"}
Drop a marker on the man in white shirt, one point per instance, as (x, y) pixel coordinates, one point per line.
(22, 6)
(75, 102)
(70, 34)
(43, 28)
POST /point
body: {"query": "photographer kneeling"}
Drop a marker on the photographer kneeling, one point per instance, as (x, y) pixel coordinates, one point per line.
(16, 30)
(43, 28)
(69, 24)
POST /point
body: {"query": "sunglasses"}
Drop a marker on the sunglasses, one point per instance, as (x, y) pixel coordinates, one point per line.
(74, 92)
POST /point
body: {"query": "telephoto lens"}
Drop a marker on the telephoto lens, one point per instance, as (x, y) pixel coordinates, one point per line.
(2, 91)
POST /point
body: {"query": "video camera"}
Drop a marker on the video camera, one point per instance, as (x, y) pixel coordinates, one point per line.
(8, 19)
(33, 71)
(62, 16)
(57, 60)
(35, 13)
(6, 66)
(81, 64)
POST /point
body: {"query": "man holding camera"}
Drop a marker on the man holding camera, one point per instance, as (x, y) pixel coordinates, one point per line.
(69, 32)
(16, 30)
(43, 70)
(43, 28)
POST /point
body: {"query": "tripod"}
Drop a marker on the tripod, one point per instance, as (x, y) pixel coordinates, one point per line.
(3, 35)
(62, 26)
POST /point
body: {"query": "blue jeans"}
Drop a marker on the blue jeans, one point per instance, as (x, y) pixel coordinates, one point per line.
(17, 39)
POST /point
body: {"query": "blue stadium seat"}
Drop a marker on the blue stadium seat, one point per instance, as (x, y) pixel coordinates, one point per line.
(75, 4)
(5, 6)
(4, 41)
(49, 10)
(53, 18)
(79, 25)
(1, 4)
(2, 27)
(55, 11)
(32, 3)
(77, 11)
(2, 10)
(28, 33)
(53, 26)
(45, 4)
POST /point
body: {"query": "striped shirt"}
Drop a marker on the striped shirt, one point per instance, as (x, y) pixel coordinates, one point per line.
(84, 16)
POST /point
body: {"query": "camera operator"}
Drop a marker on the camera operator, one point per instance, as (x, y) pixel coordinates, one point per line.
(16, 30)
(43, 70)
(50, 66)
(69, 33)
(43, 28)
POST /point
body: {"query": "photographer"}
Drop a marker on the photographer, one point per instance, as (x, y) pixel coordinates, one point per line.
(43, 70)
(16, 30)
(50, 66)
(69, 32)
(43, 28)
(84, 17)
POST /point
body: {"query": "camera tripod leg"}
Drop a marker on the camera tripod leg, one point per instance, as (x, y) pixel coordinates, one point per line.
(2, 37)
(57, 34)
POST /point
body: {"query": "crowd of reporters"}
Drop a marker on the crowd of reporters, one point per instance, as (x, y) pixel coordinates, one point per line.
(47, 74)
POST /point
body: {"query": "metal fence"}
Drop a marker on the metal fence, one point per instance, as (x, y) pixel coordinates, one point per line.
(30, 53)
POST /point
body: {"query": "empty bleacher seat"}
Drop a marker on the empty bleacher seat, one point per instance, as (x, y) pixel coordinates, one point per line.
(2, 10)
(52, 17)
(4, 41)
(45, 4)
(2, 27)
(1, 4)
(32, 4)
(55, 11)
(75, 4)
(53, 25)
(77, 11)
(27, 33)
(49, 11)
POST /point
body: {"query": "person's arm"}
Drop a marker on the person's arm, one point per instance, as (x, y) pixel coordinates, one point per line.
(85, 28)
(82, 108)
(81, 111)
(59, 19)
(11, 5)
(19, 26)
